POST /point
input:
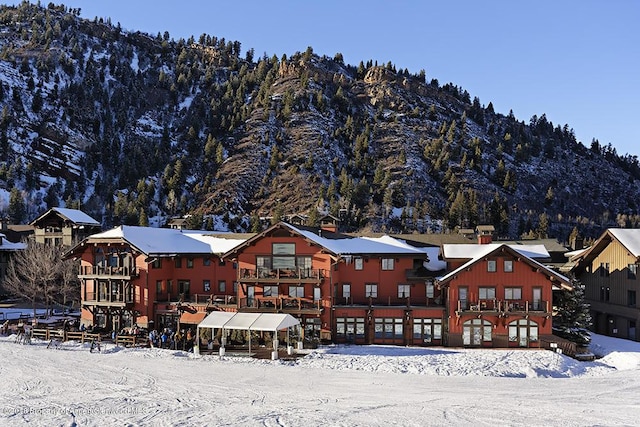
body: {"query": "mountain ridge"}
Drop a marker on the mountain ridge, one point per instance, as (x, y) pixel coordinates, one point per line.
(135, 129)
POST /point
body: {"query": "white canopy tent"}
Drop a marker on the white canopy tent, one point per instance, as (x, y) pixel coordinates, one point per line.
(272, 322)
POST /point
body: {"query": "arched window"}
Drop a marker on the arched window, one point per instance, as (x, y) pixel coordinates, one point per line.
(476, 332)
(523, 332)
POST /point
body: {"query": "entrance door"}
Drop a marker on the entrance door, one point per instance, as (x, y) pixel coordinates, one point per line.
(524, 334)
(537, 298)
(251, 293)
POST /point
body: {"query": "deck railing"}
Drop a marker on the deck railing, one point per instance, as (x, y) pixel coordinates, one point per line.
(281, 273)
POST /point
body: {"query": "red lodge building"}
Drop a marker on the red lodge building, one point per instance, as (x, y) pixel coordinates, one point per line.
(342, 288)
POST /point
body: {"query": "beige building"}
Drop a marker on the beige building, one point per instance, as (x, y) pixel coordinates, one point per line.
(609, 271)
(62, 226)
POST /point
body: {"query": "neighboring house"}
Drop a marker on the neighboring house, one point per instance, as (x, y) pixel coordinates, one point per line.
(62, 226)
(153, 277)
(498, 295)
(7, 249)
(342, 288)
(609, 271)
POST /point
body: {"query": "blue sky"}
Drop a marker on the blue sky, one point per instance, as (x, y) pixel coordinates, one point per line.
(577, 61)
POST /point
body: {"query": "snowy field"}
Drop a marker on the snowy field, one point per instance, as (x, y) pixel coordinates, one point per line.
(333, 386)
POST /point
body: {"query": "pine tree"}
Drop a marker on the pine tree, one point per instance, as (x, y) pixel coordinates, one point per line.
(572, 318)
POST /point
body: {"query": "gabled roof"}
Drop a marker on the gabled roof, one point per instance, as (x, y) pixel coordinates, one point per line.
(629, 238)
(471, 251)
(73, 215)
(164, 241)
(488, 250)
(340, 244)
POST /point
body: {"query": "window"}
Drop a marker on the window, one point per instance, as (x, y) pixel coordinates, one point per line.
(169, 286)
(387, 263)
(222, 286)
(513, 293)
(283, 248)
(270, 291)
(235, 288)
(316, 294)
(632, 272)
(430, 289)
(523, 332)
(463, 293)
(178, 262)
(476, 331)
(487, 293)
(348, 328)
(371, 290)
(404, 291)
(189, 263)
(388, 328)
(156, 263)
(427, 330)
(631, 298)
(508, 266)
(158, 286)
(604, 269)
(206, 285)
(346, 290)
(491, 266)
(206, 262)
(357, 263)
(183, 287)
(296, 291)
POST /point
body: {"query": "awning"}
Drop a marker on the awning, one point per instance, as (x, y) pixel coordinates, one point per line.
(192, 318)
(248, 321)
(216, 319)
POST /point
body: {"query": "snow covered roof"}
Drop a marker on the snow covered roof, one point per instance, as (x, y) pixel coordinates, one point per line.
(359, 245)
(629, 238)
(74, 215)
(169, 241)
(6, 245)
(470, 251)
(488, 249)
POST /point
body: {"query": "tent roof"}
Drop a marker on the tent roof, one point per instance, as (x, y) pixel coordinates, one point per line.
(216, 319)
(249, 321)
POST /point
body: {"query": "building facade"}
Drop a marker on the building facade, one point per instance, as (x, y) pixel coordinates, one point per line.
(498, 295)
(153, 277)
(609, 271)
(63, 227)
(342, 288)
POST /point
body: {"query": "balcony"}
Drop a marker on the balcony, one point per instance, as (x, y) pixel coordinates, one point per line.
(281, 304)
(197, 299)
(115, 299)
(106, 272)
(418, 274)
(503, 306)
(388, 301)
(282, 275)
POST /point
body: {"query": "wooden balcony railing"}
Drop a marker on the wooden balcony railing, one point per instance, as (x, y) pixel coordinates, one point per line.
(196, 298)
(107, 298)
(106, 271)
(277, 274)
(503, 306)
(280, 304)
(391, 301)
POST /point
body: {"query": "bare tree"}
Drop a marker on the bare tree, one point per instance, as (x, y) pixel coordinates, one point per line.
(38, 274)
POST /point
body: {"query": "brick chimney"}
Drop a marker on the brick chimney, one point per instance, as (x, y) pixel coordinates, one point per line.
(485, 239)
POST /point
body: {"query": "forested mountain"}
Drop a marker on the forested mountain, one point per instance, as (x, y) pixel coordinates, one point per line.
(134, 128)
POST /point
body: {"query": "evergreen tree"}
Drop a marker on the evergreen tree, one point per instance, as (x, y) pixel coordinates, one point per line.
(572, 318)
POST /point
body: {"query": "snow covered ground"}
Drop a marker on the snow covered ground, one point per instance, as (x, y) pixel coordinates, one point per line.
(332, 386)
